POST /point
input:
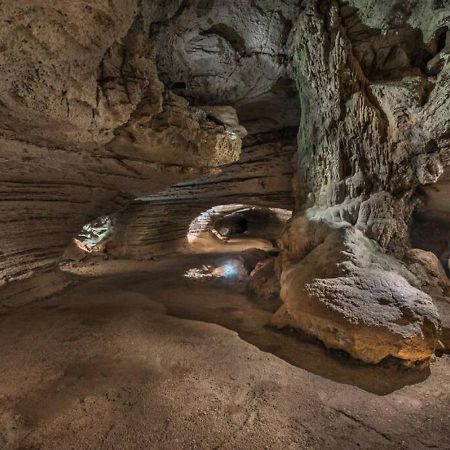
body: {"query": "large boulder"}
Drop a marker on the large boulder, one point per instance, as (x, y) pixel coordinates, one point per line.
(341, 287)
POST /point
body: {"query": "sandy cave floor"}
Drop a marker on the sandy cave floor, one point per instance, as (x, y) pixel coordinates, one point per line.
(136, 356)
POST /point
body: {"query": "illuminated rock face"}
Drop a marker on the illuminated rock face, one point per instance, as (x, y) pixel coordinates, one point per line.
(159, 110)
(373, 137)
(341, 287)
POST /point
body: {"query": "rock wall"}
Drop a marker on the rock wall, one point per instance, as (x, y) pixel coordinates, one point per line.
(105, 101)
(159, 224)
(86, 125)
(375, 122)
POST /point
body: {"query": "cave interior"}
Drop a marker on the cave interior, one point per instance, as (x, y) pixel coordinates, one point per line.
(224, 224)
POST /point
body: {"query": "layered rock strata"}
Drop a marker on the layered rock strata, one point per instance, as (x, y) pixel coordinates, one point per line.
(107, 103)
(86, 125)
(160, 223)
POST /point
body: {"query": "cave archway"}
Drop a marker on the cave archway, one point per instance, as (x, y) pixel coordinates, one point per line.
(237, 227)
(234, 224)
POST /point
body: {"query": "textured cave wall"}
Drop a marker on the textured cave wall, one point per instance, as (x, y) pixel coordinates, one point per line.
(222, 53)
(375, 122)
(159, 224)
(231, 52)
(86, 125)
(427, 16)
(102, 102)
(372, 123)
(105, 102)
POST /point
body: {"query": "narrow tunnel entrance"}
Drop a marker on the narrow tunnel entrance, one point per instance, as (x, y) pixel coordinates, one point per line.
(248, 232)
(432, 236)
(430, 224)
(237, 227)
(232, 225)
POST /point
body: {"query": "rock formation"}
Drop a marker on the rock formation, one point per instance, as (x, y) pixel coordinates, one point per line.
(340, 286)
(87, 125)
(374, 129)
(156, 111)
(159, 223)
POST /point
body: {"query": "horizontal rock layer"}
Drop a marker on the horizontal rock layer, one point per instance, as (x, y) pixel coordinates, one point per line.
(160, 223)
(40, 219)
(86, 125)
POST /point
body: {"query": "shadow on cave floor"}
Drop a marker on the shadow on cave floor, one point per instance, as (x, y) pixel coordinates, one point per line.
(225, 302)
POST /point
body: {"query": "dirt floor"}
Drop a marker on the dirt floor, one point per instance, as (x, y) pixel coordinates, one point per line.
(137, 356)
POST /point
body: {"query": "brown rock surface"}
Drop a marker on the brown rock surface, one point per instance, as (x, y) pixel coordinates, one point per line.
(134, 107)
(339, 286)
(86, 125)
(373, 139)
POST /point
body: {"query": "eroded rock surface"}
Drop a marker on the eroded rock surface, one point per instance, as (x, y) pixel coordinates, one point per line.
(375, 110)
(160, 223)
(86, 125)
(341, 287)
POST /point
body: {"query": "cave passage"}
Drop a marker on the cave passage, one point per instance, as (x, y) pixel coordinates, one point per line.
(224, 224)
(232, 225)
(238, 227)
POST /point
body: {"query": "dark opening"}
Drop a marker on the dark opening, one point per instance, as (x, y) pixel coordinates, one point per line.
(232, 225)
(432, 236)
(180, 85)
(441, 37)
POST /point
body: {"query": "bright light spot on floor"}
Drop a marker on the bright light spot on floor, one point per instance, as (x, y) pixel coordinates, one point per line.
(230, 270)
